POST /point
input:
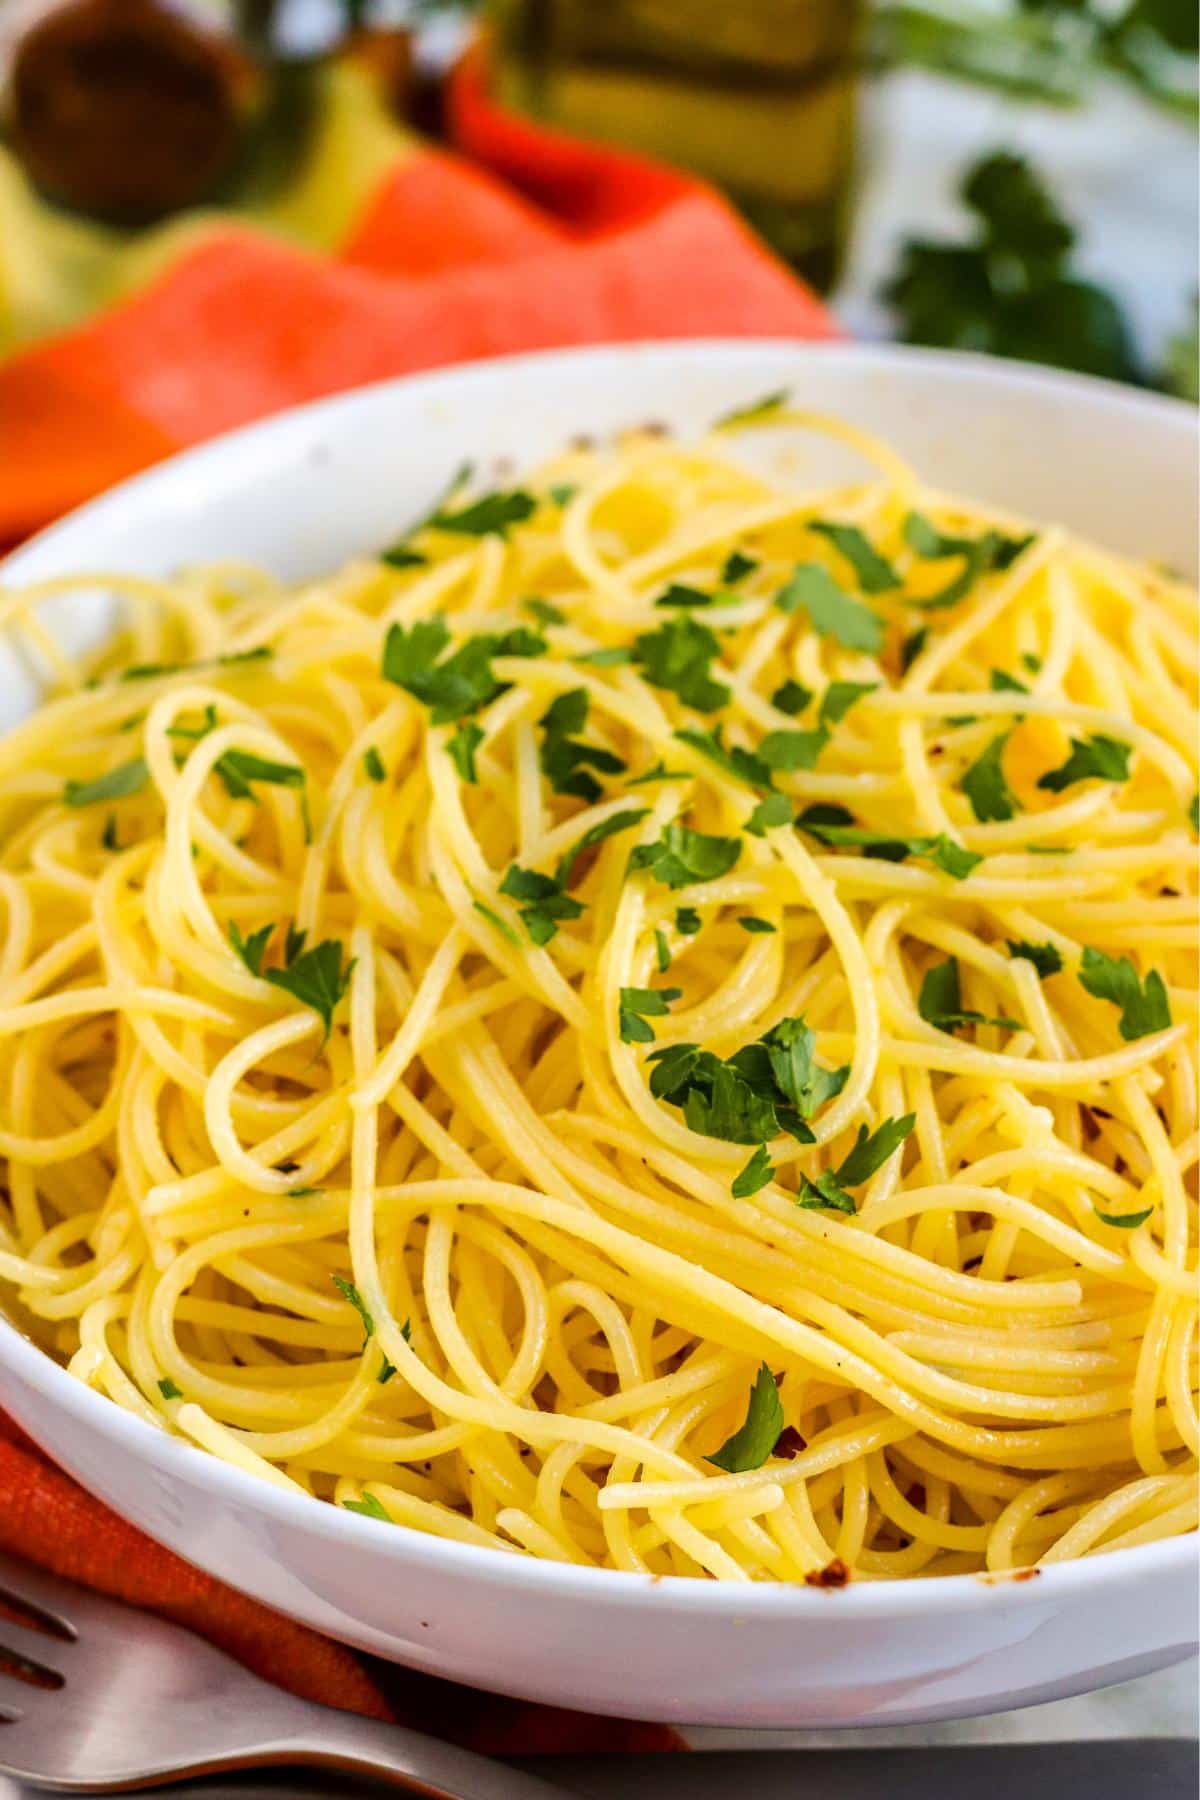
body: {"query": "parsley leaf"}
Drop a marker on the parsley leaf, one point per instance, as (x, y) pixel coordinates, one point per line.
(773, 811)
(1194, 814)
(373, 764)
(1092, 759)
(662, 952)
(769, 1086)
(981, 555)
(1001, 682)
(985, 786)
(596, 834)
(546, 904)
(251, 949)
(868, 1154)
(687, 921)
(402, 556)
(791, 698)
(755, 1439)
(680, 856)
(831, 611)
(168, 1390)
(369, 1507)
(459, 683)
(840, 696)
(128, 778)
(108, 837)
(316, 977)
(875, 574)
(1124, 1221)
(756, 1174)
(678, 657)
(640, 1004)
(736, 567)
(793, 749)
(544, 611)
(940, 1001)
(743, 765)
(1144, 1005)
(349, 1292)
(912, 647)
(832, 825)
(239, 768)
(1044, 957)
(461, 748)
(563, 756)
(757, 409)
(679, 594)
(496, 512)
(755, 926)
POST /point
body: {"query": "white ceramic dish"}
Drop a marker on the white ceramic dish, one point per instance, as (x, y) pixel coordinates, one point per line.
(304, 492)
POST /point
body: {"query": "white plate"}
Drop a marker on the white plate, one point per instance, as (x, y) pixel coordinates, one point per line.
(309, 489)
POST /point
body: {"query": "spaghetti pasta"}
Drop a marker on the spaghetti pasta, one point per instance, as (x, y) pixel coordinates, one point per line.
(651, 1026)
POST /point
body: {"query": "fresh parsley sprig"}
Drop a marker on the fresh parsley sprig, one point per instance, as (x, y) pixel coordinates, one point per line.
(451, 686)
(680, 856)
(565, 758)
(868, 1154)
(1097, 758)
(1145, 1007)
(754, 1440)
(638, 1006)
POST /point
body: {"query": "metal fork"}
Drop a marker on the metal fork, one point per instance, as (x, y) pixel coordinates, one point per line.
(95, 1696)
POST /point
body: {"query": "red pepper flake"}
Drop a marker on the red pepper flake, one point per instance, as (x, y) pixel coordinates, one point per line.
(834, 1575)
(789, 1443)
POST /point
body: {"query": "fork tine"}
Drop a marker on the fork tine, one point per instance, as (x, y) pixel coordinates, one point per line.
(24, 1586)
(35, 1649)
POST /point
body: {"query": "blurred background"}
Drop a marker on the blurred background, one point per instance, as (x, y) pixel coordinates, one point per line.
(1016, 176)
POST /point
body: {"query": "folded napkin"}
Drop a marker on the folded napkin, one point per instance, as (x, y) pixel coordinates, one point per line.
(516, 240)
(521, 240)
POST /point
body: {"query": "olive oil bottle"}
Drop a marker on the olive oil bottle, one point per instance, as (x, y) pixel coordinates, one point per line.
(759, 98)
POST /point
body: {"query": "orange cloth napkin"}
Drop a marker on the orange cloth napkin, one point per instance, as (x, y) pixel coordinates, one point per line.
(524, 239)
(537, 240)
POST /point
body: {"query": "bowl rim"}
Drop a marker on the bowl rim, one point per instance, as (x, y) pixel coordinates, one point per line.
(1167, 1559)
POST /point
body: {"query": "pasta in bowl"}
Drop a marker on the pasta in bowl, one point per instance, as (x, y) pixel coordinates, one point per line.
(648, 1026)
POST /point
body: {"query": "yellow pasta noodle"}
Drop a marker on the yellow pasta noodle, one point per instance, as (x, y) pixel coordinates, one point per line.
(652, 1026)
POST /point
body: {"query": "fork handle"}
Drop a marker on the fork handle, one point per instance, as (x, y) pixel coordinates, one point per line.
(408, 1759)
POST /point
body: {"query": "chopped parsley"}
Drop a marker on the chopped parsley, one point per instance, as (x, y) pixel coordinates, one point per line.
(681, 856)
(985, 785)
(831, 611)
(1001, 682)
(940, 1001)
(461, 747)
(1144, 1004)
(742, 765)
(756, 1174)
(659, 772)
(1044, 957)
(764, 408)
(833, 825)
(562, 492)
(546, 902)
(687, 921)
(1092, 759)
(678, 657)
(840, 696)
(981, 556)
(912, 647)
(755, 926)
(607, 659)
(119, 783)
(1194, 814)
(454, 685)
(251, 949)
(662, 952)
(369, 1507)
(373, 764)
(875, 574)
(566, 759)
(238, 769)
(773, 1085)
(168, 1389)
(497, 512)
(108, 837)
(349, 1292)
(544, 611)
(771, 812)
(736, 567)
(402, 556)
(679, 594)
(638, 1006)
(791, 698)
(868, 1154)
(191, 734)
(596, 834)
(316, 977)
(789, 750)
(757, 1436)
(1124, 1221)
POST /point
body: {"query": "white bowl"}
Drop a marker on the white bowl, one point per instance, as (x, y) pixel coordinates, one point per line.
(311, 488)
